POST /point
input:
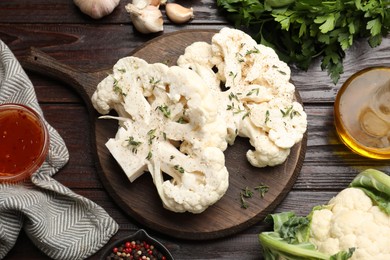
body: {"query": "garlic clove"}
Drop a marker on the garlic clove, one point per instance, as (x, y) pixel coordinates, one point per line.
(178, 14)
(146, 20)
(155, 2)
(141, 4)
(96, 8)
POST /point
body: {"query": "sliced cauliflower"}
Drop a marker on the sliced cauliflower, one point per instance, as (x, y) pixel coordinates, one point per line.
(168, 123)
(266, 153)
(284, 121)
(257, 95)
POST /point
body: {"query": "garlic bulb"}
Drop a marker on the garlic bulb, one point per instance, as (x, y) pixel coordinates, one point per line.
(147, 19)
(97, 8)
(178, 14)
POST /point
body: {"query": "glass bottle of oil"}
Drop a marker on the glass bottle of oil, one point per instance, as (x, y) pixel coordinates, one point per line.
(362, 113)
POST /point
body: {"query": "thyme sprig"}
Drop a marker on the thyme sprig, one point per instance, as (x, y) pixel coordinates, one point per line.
(165, 110)
(247, 193)
(133, 143)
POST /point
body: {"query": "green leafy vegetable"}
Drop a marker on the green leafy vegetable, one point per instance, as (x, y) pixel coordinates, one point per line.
(376, 185)
(290, 240)
(290, 236)
(300, 31)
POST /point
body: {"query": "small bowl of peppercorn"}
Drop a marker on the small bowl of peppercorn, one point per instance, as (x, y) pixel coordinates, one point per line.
(137, 246)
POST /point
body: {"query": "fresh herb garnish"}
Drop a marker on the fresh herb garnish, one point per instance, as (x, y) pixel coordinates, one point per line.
(266, 117)
(181, 120)
(262, 189)
(152, 135)
(165, 110)
(233, 96)
(244, 194)
(253, 91)
(247, 193)
(290, 112)
(178, 168)
(244, 203)
(154, 81)
(232, 74)
(301, 31)
(286, 112)
(133, 144)
(117, 88)
(254, 50)
(246, 115)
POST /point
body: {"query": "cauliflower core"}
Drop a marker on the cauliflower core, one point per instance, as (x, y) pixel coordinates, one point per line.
(259, 99)
(168, 123)
(351, 220)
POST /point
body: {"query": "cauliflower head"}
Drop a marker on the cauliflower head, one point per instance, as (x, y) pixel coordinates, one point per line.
(351, 220)
(355, 224)
(169, 126)
(258, 96)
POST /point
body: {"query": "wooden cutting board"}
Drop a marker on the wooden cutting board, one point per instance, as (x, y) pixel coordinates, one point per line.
(140, 199)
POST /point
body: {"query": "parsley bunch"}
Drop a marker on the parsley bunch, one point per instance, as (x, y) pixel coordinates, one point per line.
(300, 31)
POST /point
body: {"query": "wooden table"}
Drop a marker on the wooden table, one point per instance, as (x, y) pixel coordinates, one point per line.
(58, 28)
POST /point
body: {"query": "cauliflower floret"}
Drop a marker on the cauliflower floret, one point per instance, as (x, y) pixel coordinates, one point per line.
(168, 122)
(350, 220)
(110, 93)
(232, 47)
(104, 99)
(284, 121)
(321, 220)
(196, 181)
(199, 59)
(266, 153)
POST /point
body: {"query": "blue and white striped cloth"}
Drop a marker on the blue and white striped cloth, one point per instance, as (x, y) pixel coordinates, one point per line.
(59, 222)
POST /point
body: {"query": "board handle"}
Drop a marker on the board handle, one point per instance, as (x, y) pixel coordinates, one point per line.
(83, 82)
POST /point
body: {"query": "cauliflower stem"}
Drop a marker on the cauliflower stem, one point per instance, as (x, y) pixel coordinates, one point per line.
(353, 225)
(289, 240)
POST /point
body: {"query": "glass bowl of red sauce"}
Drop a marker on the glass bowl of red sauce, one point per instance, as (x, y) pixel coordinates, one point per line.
(24, 142)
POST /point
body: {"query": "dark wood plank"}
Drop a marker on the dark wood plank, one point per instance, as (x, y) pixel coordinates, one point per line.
(93, 47)
(65, 12)
(84, 47)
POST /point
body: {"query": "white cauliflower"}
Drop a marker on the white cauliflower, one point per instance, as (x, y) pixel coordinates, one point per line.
(284, 121)
(266, 153)
(178, 121)
(352, 220)
(355, 225)
(258, 97)
(168, 124)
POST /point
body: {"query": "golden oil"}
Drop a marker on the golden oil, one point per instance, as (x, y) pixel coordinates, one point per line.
(362, 113)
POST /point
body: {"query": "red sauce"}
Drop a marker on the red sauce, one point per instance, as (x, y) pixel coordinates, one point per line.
(22, 141)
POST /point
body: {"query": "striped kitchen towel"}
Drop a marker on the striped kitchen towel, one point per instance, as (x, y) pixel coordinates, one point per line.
(59, 222)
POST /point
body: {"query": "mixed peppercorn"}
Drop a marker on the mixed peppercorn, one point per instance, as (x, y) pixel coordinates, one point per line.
(136, 250)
